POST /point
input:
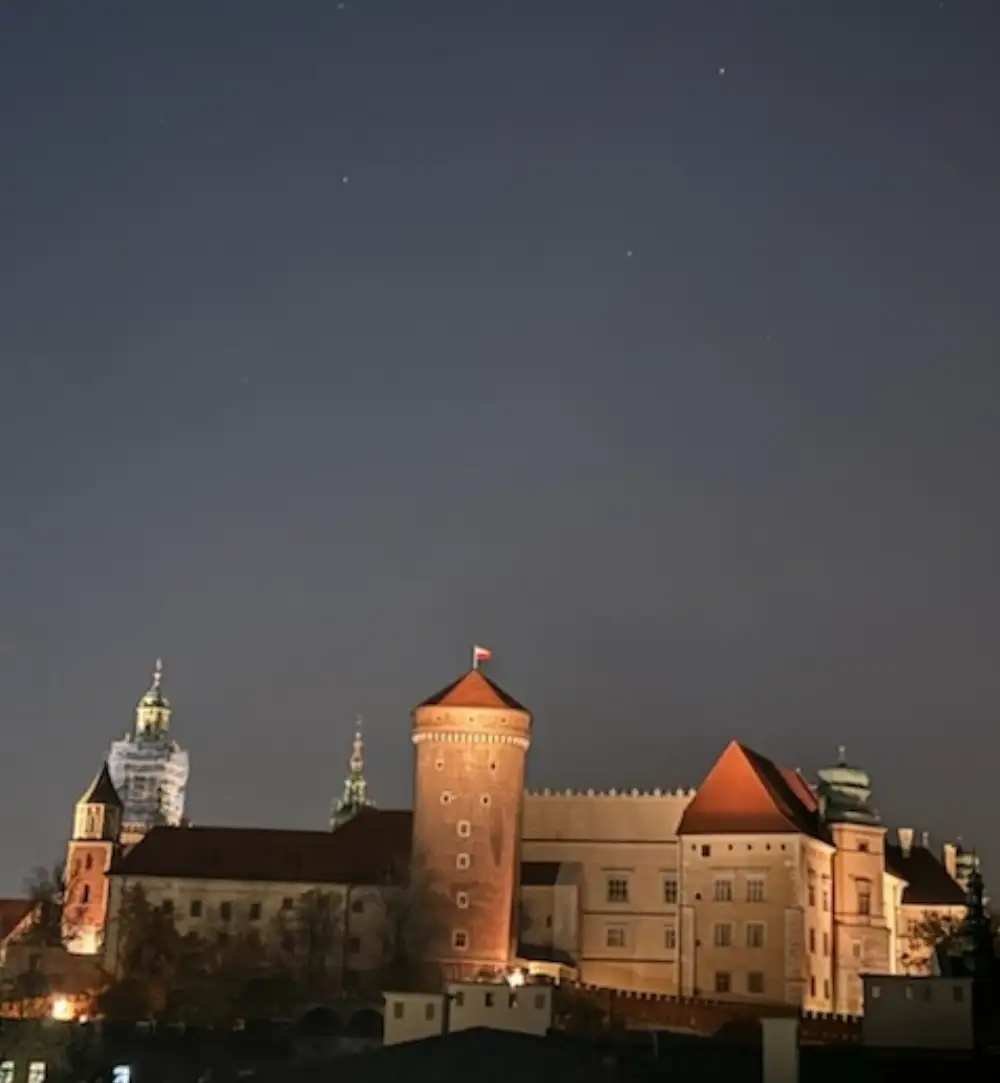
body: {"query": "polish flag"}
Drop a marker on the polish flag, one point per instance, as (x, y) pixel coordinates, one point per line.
(480, 654)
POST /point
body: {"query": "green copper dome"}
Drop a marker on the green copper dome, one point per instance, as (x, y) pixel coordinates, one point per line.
(845, 793)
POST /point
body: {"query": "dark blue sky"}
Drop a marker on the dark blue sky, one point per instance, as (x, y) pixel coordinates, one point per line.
(654, 345)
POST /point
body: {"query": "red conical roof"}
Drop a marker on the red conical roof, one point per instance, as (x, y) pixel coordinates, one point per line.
(474, 689)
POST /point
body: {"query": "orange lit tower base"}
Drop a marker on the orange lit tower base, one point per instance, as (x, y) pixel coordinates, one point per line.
(471, 741)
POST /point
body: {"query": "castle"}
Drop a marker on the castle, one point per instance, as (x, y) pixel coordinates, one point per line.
(756, 886)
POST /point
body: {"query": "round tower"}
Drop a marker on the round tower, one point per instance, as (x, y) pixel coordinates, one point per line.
(471, 741)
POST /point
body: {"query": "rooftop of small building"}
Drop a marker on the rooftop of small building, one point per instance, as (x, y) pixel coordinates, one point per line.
(12, 913)
(489, 1056)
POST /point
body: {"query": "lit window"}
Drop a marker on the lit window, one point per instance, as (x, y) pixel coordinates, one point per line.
(723, 981)
(755, 982)
(723, 891)
(460, 940)
(617, 889)
(670, 938)
(463, 861)
(6, 1071)
(755, 889)
(615, 937)
(755, 934)
(464, 829)
(462, 900)
(723, 935)
(36, 1071)
(670, 890)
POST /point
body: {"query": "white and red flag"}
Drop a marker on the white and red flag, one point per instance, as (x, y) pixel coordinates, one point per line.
(480, 654)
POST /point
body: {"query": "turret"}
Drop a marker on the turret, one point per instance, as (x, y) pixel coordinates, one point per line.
(152, 713)
(471, 741)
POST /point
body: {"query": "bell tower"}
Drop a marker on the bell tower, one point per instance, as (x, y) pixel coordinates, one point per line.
(471, 741)
(97, 826)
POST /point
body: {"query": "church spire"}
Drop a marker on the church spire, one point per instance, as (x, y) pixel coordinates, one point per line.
(355, 797)
(152, 714)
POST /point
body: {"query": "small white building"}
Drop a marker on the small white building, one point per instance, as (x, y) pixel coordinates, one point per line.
(905, 1012)
(526, 1009)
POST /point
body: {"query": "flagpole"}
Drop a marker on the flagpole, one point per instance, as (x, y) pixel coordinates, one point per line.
(475, 658)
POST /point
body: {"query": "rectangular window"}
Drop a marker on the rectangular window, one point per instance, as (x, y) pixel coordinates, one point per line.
(459, 940)
(617, 889)
(429, 1011)
(670, 890)
(755, 982)
(826, 899)
(755, 934)
(397, 1010)
(6, 1071)
(354, 945)
(459, 999)
(670, 938)
(539, 1001)
(706, 851)
(812, 941)
(288, 903)
(826, 988)
(226, 911)
(615, 937)
(723, 891)
(755, 889)
(255, 911)
(194, 910)
(812, 985)
(812, 894)
(36, 1071)
(723, 981)
(826, 944)
(488, 1000)
(864, 898)
(723, 935)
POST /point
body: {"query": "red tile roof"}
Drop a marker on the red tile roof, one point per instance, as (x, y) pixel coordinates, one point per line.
(12, 913)
(474, 689)
(746, 793)
(371, 848)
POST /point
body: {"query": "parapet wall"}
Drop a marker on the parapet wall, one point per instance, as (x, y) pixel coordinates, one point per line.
(610, 816)
(652, 1011)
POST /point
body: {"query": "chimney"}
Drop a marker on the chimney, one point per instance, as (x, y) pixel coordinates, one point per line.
(925, 839)
(905, 840)
(949, 858)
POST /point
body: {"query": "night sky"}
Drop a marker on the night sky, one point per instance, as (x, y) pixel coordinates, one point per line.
(651, 343)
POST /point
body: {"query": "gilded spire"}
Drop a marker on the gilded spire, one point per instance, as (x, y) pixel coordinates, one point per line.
(355, 795)
(152, 716)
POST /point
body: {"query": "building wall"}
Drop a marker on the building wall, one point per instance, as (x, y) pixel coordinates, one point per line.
(87, 895)
(625, 847)
(468, 783)
(903, 1012)
(744, 917)
(212, 908)
(466, 1005)
(861, 930)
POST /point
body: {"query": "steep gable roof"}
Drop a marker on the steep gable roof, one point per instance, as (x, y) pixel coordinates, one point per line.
(927, 880)
(474, 689)
(371, 848)
(102, 791)
(746, 793)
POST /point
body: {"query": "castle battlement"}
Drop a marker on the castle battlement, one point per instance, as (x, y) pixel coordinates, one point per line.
(576, 794)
